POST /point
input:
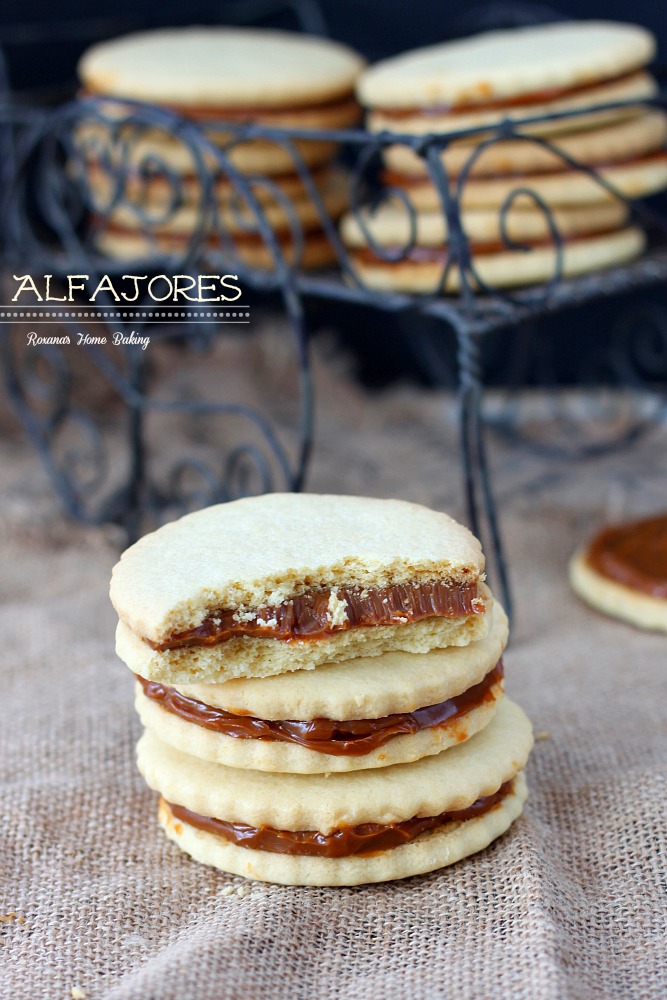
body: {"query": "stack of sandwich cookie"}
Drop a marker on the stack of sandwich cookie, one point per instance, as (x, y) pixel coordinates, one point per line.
(212, 76)
(321, 685)
(475, 84)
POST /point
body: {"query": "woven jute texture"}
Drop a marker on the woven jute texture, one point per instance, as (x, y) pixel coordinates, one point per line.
(571, 902)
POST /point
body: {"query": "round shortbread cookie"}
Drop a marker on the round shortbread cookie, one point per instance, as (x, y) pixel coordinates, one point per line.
(390, 225)
(634, 179)
(215, 148)
(637, 87)
(315, 252)
(447, 781)
(239, 217)
(262, 551)
(499, 65)
(285, 758)
(241, 657)
(158, 192)
(508, 269)
(637, 136)
(614, 599)
(427, 853)
(364, 688)
(217, 67)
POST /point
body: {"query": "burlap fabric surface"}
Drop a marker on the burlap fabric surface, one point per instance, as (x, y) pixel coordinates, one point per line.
(570, 903)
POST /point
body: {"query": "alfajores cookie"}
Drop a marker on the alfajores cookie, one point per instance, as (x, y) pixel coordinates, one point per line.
(622, 572)
(512, 74)
(219, 74)
(234, 227)
(636, 137)
(422, 268)
(344, 829)
(362, 713)
(463, 90)
(283, 582)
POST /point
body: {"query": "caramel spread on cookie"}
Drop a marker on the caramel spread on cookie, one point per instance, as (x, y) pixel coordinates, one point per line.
(364, 839)
(325, 612)
(351, 738)
(634, 555)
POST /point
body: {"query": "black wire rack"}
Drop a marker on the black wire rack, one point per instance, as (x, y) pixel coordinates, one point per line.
(53, 218)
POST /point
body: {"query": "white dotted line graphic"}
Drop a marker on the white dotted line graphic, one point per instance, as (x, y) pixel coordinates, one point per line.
(88, 314)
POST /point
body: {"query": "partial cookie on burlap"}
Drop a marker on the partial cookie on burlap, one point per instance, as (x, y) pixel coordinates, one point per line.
(622, 572)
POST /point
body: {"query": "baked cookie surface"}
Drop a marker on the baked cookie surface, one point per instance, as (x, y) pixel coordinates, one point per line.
(362, 713)
(329, 806)
(218, 67)
(506, 64)
(278, 582)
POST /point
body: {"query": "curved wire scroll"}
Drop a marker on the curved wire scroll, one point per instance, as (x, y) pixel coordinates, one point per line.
(95, 160)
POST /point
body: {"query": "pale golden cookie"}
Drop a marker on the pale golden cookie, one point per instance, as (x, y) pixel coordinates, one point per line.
(630, 179)
(446, 782)
(390, 225)
(263, 550)
(242, 657)
(504, 64)
(506, 269)
(370, 688)
(363, 688)
(217, 67)
(437, 849)
(262, 755)
(637, 136)
(313, 253)
(636, 88)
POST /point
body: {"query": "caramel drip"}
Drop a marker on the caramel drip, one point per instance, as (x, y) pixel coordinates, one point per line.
(352, 738)
(545, 96)
(634, 555)
(362, 840)
(308, 616)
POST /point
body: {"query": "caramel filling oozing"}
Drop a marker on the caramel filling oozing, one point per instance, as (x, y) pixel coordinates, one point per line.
(328, 611)
(352, 738)
(634, 555)
(362, 840)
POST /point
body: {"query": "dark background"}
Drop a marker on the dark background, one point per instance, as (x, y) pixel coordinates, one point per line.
(41, 54)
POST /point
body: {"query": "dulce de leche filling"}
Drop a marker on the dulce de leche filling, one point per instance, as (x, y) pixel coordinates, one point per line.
(634, 555)
(364, 839)
(325, 612)
(351, 738)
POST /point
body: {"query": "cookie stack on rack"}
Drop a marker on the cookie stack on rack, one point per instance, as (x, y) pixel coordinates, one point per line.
(513, 192)
(320, 680)
(149, 180)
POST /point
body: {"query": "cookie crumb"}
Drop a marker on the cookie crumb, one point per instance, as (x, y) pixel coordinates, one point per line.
(336, 609)
(77, 993)
(7, 918)
(542, 735)
(227, 891)
(242, 891)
